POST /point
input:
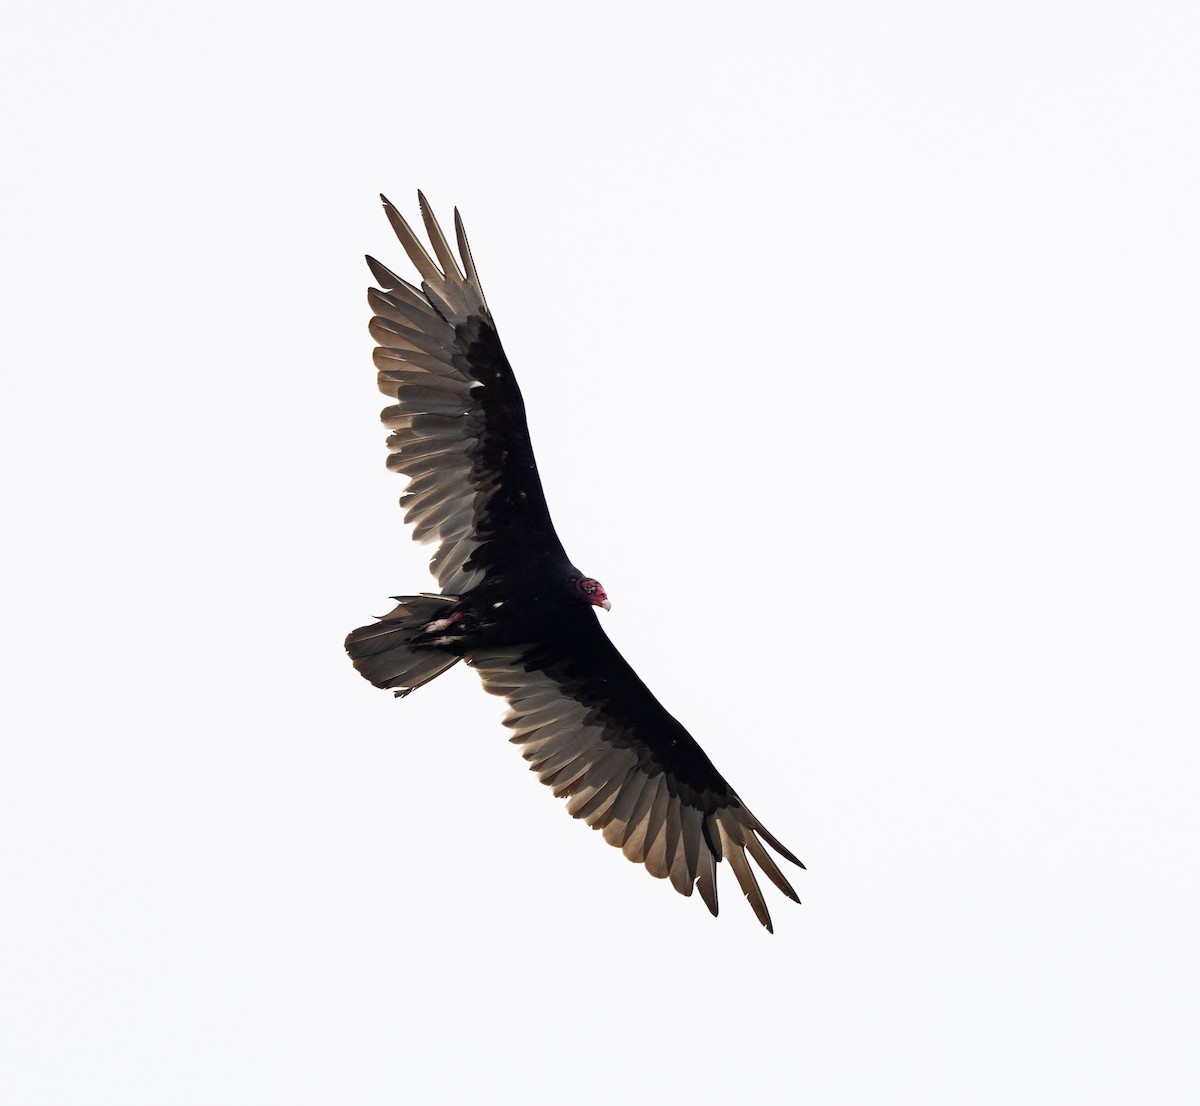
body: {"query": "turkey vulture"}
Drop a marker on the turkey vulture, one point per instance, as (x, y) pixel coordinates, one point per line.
(513, 606)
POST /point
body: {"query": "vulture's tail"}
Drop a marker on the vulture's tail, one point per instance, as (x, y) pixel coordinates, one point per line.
(383, 651)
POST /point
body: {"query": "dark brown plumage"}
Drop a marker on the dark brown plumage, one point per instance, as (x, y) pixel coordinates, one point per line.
(512, 604)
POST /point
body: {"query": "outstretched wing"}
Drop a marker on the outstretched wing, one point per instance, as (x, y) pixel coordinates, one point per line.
(593, 731)
(458, 423)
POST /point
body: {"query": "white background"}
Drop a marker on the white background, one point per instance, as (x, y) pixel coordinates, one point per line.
(860, 349)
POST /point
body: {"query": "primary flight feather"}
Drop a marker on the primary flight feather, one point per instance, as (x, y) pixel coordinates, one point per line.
(512, 604)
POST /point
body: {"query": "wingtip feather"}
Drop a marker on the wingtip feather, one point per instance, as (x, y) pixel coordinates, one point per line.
(735, 854)
(464, 251)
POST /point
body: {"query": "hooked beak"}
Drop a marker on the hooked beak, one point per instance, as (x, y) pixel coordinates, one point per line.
(606, 603)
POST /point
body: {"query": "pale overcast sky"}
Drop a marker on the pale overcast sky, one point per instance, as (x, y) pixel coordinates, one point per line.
(859, 343)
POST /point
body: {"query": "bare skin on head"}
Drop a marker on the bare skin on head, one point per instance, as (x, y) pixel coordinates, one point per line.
(591, 592)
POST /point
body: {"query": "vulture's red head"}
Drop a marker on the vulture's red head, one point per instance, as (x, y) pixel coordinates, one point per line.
(590, 591)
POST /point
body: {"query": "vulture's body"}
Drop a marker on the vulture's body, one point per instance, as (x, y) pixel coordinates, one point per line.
(514, 607)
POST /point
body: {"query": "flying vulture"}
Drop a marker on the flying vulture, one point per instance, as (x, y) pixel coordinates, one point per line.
(513, 606)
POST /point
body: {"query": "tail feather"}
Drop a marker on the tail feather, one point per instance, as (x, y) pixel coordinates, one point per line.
(383, 651)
